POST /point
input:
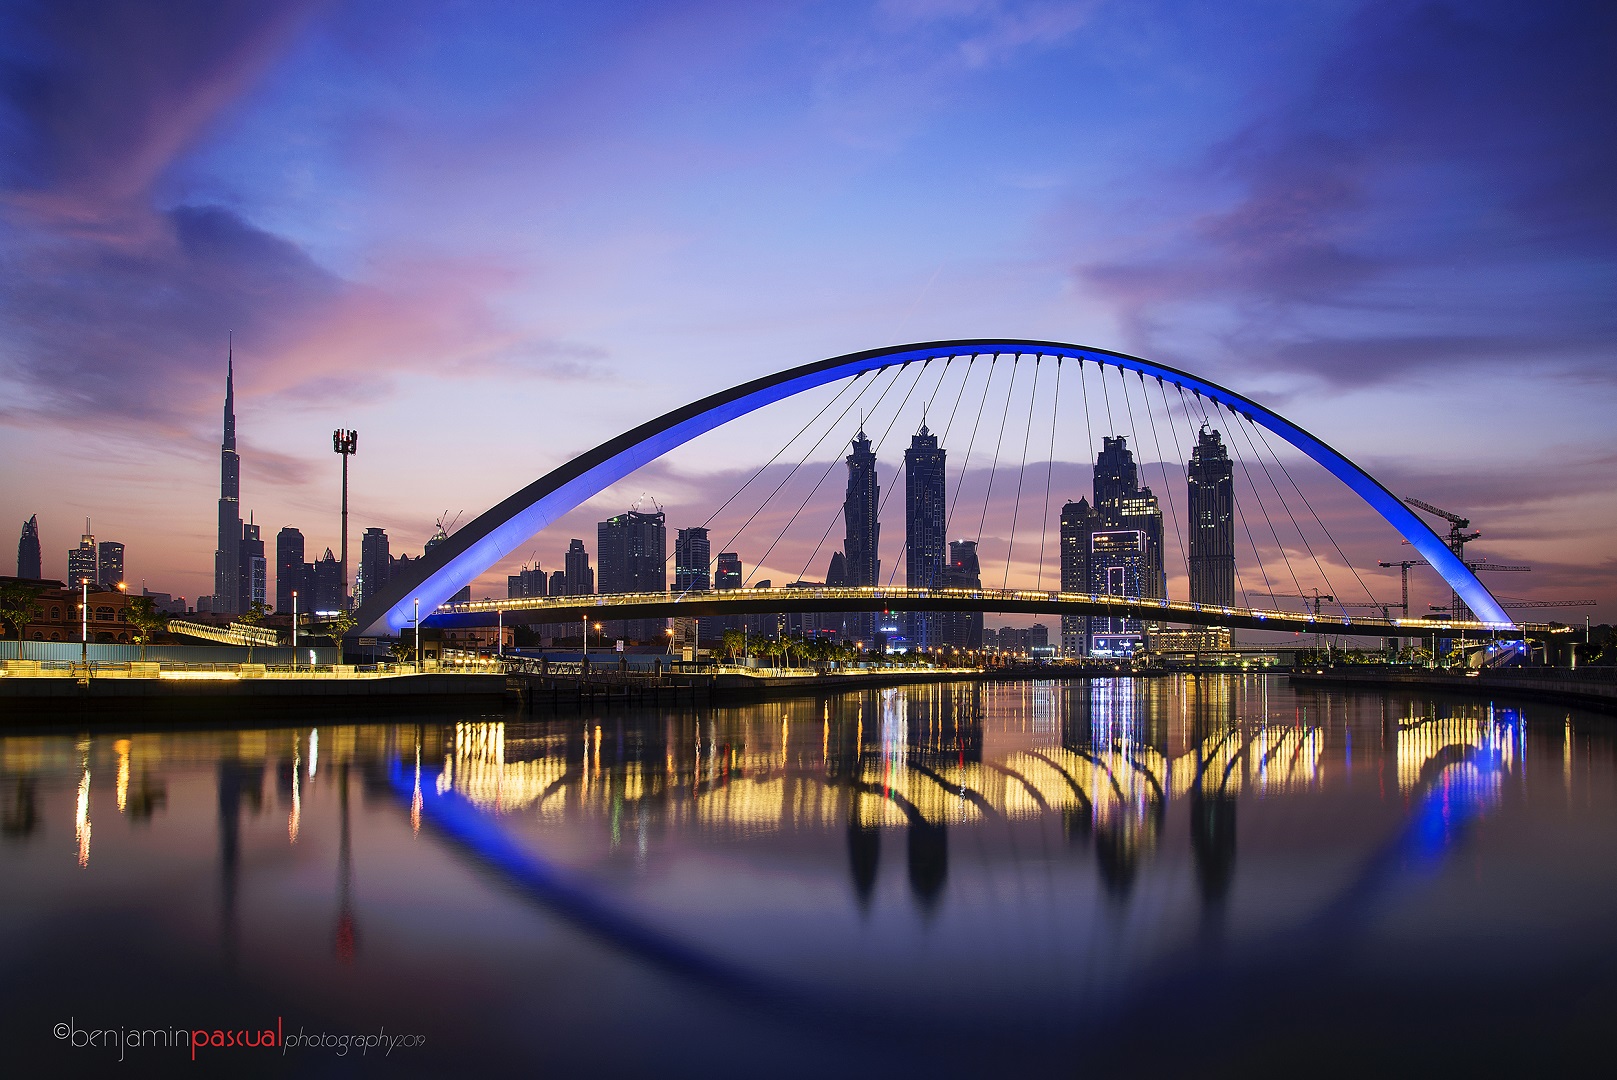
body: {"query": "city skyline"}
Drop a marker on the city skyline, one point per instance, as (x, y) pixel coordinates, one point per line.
(364, 296)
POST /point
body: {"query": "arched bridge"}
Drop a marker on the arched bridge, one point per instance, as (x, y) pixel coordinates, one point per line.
(506, 527)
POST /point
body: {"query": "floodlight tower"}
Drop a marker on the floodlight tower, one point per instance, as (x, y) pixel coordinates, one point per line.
(345, 443)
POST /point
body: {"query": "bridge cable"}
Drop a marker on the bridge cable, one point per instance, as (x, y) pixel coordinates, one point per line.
(1110, 423)
(1300, 534)
(893, 573)
(1258, 495)
(1239, 417)
(898, 370)
(1089, 427)
(1235, 499)
(899, 471)
(729, 545)
(1134, 430)
(1264, 436)
(960, 483)
(1167, 486)
(836, 461)
(999, 441)
(1021, 471)
(1173, 433)
(846, 386)
(1049, 471)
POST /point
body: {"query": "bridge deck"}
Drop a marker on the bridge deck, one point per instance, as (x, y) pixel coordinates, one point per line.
(563, 609)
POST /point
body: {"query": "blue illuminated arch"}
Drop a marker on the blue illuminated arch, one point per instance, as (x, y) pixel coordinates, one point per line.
(505, 528)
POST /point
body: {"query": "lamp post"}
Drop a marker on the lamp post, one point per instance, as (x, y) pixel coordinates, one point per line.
(345, 443)
(294, 629)
(84, 624)
(499, 635)
(585, 628)
(418, 635)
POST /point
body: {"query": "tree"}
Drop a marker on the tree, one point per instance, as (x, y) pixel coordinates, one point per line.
(19, 605)
(147, 620)
(252, 617)
(733, 642)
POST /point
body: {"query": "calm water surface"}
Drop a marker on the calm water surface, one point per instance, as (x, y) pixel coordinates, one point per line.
(1081, 878)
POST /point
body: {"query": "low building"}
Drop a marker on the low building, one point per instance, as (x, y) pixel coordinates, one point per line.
(57, 616)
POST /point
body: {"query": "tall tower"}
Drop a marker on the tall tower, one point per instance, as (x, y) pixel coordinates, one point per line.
(1212, 522)
(863, 531)
(580, 576)
(83, 563)
(28, 559)
(632, 554)
(693, 554)
(227, 556)
(1078, 523)
(924, 512)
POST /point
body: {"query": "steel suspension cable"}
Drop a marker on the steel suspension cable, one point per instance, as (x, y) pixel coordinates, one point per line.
(1167, 487)
(898, 469)
(839, 510)
(730, 544)
(1235, 497)
(1049, 471)
(1300, 534)
(846, 386)
(960, 483)
(1089, 427)
(1258, 495)
(1021, 471)
(898, 371)
(999, 441)
(1323, 527)
(1173, 433)
(1110, 423)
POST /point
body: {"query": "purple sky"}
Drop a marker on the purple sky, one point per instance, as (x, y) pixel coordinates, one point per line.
(489, 236)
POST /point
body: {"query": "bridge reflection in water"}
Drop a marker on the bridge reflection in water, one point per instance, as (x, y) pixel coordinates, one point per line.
(1104, 758)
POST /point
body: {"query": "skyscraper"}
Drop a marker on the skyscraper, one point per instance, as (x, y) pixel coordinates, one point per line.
(325, 582)
(83, 562)
(580, 576)
(1116, 475)
(1119, 565)
(693, 553)
(375, 562)
(1212, 522)
(109, 564)
(290, 575)
(632, 553)
(558, 583)
(28, 556)
(1078, 522)
(1112, 563)
(227, 556)
(961, 629)
(254, 582)
(862, 535)
(924, 512)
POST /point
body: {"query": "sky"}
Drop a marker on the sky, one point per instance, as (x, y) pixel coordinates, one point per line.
(489, 236)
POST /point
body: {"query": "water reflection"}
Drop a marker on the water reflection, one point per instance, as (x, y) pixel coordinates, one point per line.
(1077, 836)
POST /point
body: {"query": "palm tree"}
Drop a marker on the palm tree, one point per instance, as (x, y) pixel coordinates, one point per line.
(252, 617)
(18, 607)
(147, 620)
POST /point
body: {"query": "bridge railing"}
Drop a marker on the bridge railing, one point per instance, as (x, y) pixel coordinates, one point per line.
(898, 597)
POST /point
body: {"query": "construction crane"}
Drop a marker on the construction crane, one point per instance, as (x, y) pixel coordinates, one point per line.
(1403, 568)
(1457, 538)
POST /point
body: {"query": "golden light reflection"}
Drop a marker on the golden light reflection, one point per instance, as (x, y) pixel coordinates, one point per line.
(81, 814)
(296, 816)
(122, 749)
(415, 797)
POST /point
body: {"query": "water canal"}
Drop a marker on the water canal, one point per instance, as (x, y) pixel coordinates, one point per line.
(1213, 873)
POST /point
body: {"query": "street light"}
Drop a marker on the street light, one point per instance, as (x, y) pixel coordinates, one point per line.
(294, 629)
(418, 635)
